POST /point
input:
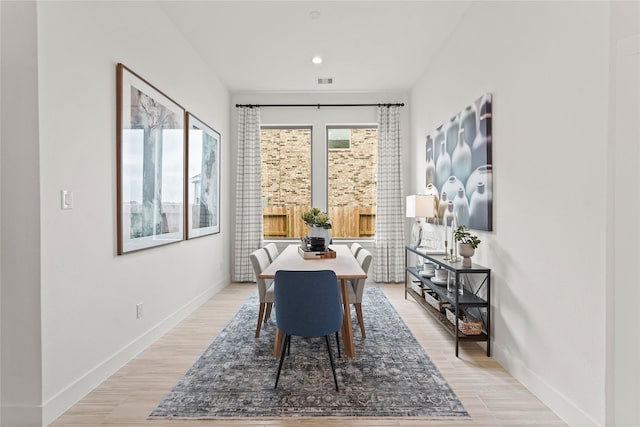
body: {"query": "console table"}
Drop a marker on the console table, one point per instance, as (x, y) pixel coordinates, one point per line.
(457, 304)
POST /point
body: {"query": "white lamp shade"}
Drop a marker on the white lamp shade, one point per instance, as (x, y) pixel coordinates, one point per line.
(421, 205)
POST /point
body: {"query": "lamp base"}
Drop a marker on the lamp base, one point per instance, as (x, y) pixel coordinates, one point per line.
(416, 234)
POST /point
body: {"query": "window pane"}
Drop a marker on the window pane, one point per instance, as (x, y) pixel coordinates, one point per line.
(352, 183)
(338, 138)
(286, 180)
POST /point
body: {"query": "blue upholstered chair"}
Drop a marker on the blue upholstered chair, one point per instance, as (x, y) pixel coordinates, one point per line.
(308, 305)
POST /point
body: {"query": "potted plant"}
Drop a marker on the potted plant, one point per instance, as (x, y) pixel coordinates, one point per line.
(319, 224)
(468, 244)
(316, 218)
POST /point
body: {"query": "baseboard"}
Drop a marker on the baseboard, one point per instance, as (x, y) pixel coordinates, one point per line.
(69, 396)
(564, 408)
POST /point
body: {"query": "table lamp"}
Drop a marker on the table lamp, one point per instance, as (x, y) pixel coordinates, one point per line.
(418, 206)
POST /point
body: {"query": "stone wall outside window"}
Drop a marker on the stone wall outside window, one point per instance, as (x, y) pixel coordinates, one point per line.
(286, 182)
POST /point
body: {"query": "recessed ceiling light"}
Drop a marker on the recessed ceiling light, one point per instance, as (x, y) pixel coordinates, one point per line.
(316, 60)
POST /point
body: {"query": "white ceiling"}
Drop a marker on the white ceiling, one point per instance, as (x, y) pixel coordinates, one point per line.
(268, 45)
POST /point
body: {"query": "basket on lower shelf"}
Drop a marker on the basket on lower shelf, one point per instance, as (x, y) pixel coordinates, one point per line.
(434, 301)
(417, 287)
(467, 324)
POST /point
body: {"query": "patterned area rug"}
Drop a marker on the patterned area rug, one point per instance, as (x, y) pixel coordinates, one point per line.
(391, 376)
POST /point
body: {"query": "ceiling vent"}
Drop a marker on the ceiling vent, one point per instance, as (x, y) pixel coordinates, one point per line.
(325, 80)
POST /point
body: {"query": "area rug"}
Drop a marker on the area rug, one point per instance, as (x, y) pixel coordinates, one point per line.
(391, 375)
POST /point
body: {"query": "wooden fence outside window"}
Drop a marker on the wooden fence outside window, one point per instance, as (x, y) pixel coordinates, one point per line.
(346, 222)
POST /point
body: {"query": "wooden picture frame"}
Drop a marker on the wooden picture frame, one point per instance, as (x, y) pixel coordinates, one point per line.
(150, 164)
(203, 178)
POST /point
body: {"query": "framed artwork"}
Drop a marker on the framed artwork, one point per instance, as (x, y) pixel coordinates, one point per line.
(150, 165)
(459, 166)
(203, 178)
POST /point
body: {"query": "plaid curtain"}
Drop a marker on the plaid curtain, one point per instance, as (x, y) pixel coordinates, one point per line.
(389, 259)
(248, 192)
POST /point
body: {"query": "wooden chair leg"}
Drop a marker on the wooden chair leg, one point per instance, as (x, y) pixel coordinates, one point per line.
(277, 342)
(287, 342)
(260, 314)
(360, 319)
(267, 314)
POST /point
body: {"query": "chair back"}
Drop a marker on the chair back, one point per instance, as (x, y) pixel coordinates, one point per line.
(272, 251)
(355, 248)
(260, 261)
(308, 303)
(364, 259)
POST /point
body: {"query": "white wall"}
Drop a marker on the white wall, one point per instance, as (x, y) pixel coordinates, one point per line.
(623, 178)
(1, 62)
(89, 295)
(546, 64)
(21, 373)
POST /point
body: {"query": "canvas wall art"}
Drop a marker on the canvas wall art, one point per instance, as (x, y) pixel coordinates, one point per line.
(459, 167)
(203, 178)
(150, 165)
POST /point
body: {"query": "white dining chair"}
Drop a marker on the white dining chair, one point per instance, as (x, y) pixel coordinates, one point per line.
(356, 290)
(260, 261)
(272, 251)
(355, 248)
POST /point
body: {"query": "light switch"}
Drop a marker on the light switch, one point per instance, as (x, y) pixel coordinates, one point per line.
(66, 199)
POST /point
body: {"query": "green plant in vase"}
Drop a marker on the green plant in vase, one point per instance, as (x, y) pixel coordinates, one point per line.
(468, 243)
(316, 218)
(319, 224)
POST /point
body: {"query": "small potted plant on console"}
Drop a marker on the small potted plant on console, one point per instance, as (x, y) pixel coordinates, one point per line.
(467, 244)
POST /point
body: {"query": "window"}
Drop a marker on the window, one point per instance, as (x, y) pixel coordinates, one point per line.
(351, 168)
(338, 138)
(286, 180)
(351, 177)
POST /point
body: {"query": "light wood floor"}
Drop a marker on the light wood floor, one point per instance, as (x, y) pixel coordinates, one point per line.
(490, 395)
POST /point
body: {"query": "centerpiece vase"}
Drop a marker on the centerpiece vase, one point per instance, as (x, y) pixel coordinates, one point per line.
(321, 232)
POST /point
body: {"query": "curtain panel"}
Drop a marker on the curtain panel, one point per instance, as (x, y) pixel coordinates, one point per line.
(389, 240)
(248, 214)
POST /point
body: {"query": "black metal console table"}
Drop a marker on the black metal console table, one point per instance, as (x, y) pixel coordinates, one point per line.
(458, 303)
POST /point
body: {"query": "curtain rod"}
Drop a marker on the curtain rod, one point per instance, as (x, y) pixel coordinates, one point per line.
(319, 105)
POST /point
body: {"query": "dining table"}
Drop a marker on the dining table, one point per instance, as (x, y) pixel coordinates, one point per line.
(345, 266)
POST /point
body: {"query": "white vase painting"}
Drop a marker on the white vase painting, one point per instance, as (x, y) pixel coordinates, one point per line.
(459, 164)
